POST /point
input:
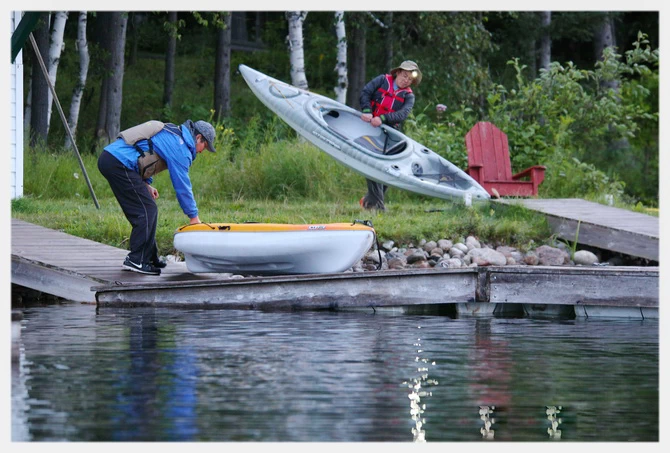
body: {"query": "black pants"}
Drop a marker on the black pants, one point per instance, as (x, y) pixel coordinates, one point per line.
(374, 199)
(137, 204)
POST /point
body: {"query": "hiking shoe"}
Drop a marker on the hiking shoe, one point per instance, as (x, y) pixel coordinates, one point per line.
(146, 268)
(159, 263)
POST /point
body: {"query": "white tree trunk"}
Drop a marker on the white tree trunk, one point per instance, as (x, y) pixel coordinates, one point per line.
(545, 40)
(296, 49)
(604, 37)
(55, 49)
(341, 66)
(78, 92)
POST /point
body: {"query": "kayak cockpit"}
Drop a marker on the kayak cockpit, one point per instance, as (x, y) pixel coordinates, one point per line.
(379, 140)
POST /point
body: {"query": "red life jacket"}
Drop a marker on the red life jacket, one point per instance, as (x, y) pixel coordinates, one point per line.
(388, 97)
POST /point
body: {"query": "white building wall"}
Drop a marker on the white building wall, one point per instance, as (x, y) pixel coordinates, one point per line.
(16, 117)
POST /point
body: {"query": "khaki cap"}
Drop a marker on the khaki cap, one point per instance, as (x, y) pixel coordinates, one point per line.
(409, 65)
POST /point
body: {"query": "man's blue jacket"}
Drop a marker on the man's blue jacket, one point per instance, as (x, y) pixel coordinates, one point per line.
(177, 151)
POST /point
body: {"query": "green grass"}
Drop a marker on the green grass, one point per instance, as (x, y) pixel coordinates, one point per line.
(285, 182)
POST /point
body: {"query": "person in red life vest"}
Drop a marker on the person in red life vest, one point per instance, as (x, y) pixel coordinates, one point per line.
(387, 99)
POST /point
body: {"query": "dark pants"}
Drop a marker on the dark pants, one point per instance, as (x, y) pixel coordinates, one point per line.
(374, 199)
(137, 204)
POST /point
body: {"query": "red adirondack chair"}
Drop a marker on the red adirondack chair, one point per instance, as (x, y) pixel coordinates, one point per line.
(489, 164)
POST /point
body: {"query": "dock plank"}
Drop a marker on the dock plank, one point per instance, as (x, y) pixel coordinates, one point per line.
(82, 270)
(597, 225)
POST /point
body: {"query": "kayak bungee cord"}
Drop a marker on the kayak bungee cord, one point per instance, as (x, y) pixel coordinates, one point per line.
(368, 223)
(282, 94)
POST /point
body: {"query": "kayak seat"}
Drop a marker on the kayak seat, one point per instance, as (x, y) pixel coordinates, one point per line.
(373, 143)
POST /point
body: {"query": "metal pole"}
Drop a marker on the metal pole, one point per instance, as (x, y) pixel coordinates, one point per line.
(62, 116)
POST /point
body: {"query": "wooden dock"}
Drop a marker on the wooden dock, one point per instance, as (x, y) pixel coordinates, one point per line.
(597, 225)
(81, 270)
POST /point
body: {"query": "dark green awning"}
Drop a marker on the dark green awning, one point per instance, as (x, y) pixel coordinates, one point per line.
(20, 35)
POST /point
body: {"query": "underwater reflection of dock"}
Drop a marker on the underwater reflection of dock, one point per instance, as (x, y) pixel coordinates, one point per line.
(81, 270)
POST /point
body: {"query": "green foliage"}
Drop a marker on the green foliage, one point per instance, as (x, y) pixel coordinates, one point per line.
(594, 140)
(568, 116)
(567, 120)
(449, 47)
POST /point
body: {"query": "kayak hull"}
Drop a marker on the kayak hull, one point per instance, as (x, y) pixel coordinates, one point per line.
(383, 153)
(272, 249)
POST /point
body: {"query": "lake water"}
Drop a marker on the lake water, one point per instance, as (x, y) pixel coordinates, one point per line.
(144, 374)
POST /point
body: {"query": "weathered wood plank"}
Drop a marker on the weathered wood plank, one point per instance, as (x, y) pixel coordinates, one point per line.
(595, 213)
(620, 240)
(578, 285)
(54, 281)
(604, 227)
(303, 292)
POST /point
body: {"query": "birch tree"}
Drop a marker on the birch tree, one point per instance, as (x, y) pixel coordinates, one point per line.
(55, 50)
(341, 66)
(78, 92)
(603, 37)
(545, 40)
(296, 48)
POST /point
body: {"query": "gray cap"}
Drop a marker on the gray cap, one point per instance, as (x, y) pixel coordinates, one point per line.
(207, 131)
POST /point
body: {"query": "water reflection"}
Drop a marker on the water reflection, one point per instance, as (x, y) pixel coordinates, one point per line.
(418, 386)
(490, 364)
(20, 407)
(154, 384)
(486, 414)
(147, 374)
(554, 421)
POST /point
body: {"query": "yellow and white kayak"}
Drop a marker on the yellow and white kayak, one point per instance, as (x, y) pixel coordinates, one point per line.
(273, 248)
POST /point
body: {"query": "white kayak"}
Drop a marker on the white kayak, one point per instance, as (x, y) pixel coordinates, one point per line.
(273, 248)
(383, 153)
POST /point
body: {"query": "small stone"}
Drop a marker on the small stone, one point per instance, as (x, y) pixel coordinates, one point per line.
(388, 245)
(445, 244)
(456, 252)
(462, 247)
(396, 263)
(531, 259)
(437, 252)
(552, 256)
(429, 246)
(584, 257)
(416, 257)
(472, 243)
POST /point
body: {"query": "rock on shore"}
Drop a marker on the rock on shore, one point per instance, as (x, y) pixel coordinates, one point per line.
(467, 253)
